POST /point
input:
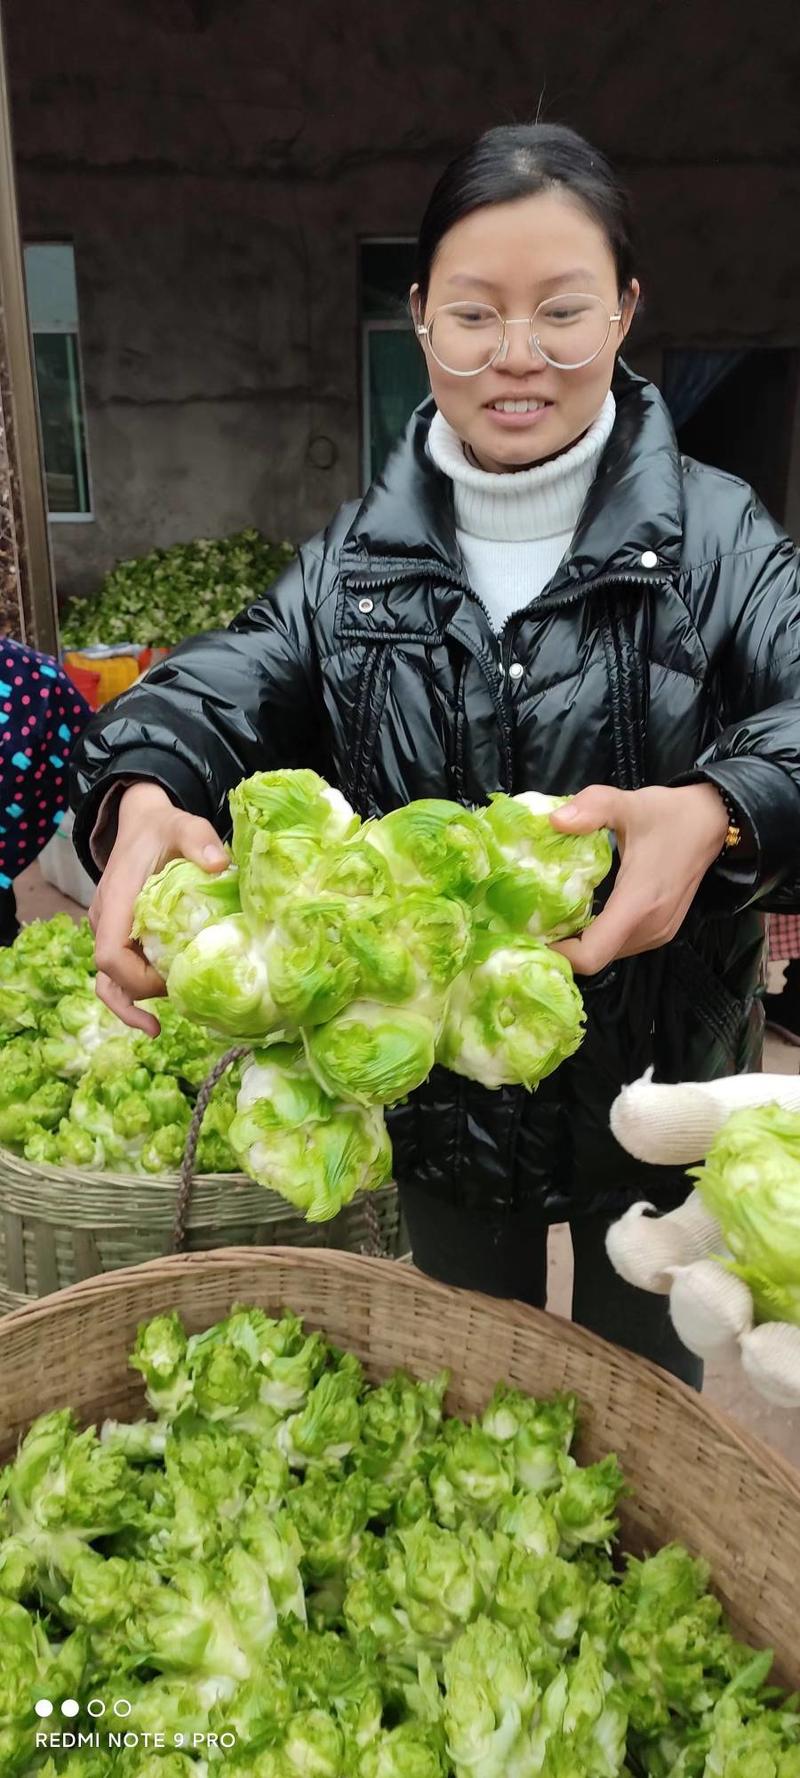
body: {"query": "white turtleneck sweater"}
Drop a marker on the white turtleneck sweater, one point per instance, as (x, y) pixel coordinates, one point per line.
(515, 529)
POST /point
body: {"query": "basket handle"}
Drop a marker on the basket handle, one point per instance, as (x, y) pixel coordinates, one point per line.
(187, 1174)
(375, 1245)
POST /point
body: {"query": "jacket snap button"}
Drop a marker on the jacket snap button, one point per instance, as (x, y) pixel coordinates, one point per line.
(516, 670)
(649, 559)
(365, 605)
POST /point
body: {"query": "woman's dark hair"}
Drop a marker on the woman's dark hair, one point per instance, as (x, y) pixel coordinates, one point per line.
(519, 161)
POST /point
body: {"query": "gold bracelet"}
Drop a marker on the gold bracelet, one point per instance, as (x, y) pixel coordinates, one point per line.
(733, 837)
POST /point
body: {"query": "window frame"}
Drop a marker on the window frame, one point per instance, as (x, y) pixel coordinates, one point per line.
(79, 388)
(368, 326)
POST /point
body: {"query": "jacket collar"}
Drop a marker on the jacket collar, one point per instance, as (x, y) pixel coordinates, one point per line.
(635, 503)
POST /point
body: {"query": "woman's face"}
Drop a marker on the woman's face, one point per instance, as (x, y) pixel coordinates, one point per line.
(513, 256)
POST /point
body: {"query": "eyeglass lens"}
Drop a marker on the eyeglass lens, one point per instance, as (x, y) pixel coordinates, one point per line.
(567, 331)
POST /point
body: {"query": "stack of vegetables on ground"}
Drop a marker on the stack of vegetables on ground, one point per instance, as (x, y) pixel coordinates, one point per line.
(344, 1583)
(78, 1088)
(354, 957)
(159, 599)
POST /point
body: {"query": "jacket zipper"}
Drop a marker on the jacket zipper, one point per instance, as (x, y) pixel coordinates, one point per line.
(629, 761)
(360, 769)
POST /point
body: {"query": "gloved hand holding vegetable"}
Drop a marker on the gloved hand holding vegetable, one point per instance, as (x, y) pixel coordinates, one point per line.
(729, 1258)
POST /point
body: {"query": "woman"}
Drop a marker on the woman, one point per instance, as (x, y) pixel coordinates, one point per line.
(41, 714)
(538, 592)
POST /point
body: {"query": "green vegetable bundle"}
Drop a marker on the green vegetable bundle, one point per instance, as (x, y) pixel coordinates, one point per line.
(303, 1576)
(159, 599)
(366, 953)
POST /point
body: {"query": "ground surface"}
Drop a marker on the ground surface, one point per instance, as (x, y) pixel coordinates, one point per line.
(725, 1385)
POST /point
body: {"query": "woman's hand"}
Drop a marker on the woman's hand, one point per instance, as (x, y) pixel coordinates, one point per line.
(150, 832)
(667, 841)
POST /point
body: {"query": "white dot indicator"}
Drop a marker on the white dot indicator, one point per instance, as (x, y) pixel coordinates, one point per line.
(70, 1707)
(44, 1707)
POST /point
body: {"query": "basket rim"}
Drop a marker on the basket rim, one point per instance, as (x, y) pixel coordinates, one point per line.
(407, 1279)
(31, 1171)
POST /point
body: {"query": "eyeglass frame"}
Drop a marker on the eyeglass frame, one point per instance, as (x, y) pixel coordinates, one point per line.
(423, 331)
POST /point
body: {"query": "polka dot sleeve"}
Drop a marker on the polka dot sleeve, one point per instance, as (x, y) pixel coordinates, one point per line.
(41, 716)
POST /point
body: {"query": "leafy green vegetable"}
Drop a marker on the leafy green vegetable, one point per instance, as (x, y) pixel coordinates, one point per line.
(43, 1111)
(470, 1478)
(73, 1029)
(352, 1585)
(490, 1701)
(514, 1014)
(159, 599)
(177, 904)
(312, 974)
(410, 948)
(221, 980)
(291, 1136)
(750, 1181)
(63, 1490)
(543, 881)
(537, 1434)
(433, 845)
(130, 1115)
(32, 1668)
(372, 1054)
(308, 815)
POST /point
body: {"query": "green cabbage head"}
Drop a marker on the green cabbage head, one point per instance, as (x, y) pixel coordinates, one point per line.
(176, 904)
(513, 1015)
(543, 881)
(221, 981)
(433, 845)
(372, 1054)
(291, 1137)
(750, 1181)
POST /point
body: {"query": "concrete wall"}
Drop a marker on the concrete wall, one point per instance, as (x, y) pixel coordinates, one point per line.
(216, 161)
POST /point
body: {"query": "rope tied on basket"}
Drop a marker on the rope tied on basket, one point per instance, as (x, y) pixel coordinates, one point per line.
(374, 1247)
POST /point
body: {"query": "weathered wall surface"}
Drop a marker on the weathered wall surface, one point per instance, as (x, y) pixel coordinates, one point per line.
(216, 161)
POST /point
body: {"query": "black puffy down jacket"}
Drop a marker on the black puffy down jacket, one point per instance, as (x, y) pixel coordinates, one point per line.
(666, 647)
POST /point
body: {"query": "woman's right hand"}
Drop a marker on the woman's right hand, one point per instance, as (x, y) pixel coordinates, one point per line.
(150, 831)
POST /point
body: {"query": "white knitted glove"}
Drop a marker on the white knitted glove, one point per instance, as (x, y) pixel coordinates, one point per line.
(675, 1254)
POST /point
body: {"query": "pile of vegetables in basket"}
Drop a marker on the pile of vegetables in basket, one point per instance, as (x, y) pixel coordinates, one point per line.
(159, 599)
(78, 1088)
(299, 1574)
(352, 957)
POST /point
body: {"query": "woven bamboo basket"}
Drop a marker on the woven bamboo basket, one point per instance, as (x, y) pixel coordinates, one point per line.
(59, 1226)
(695, 1475)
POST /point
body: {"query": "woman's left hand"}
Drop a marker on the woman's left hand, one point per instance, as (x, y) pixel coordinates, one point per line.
(667, 840)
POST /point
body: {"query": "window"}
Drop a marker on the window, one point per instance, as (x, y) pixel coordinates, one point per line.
(394, 379)
(53, 309)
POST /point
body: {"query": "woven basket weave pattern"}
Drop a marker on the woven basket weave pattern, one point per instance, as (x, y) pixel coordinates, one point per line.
(59, 1226)
(695, 1476)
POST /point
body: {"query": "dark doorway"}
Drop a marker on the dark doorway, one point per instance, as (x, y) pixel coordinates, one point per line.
(743, 424)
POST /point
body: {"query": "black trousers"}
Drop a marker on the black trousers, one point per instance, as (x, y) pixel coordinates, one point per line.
(507, 1257)
(9, 924)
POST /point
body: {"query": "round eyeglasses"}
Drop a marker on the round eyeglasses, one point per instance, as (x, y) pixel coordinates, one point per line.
(568, 332)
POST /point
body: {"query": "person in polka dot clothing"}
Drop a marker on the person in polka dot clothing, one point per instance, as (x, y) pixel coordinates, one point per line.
(41, 716)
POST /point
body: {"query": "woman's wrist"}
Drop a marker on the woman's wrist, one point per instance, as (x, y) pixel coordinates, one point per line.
(709, 808)
(144, 796)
